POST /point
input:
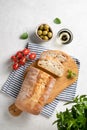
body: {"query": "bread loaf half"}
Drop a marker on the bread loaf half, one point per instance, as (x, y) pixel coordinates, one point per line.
(35, 91)
(52, 61)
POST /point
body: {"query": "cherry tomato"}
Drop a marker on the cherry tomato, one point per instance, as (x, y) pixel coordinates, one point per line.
(19, 54)
(15, 66)
(13, 58)
(32, 56)
(26, 51)
(22, 61)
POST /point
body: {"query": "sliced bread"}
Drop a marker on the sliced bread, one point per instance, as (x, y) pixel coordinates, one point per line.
(52, 54)
(53, 66)
(51, 61)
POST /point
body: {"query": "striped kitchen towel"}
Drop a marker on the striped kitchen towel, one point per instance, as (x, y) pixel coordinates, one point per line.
(12, 86)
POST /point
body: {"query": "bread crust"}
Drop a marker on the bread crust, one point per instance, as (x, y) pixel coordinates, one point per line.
(35, 91)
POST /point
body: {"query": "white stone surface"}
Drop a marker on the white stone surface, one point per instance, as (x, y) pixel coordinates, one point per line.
(18, 16)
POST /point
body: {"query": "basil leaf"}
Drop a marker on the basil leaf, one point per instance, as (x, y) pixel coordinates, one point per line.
(57, 21)
(71, 74)
(24, 36)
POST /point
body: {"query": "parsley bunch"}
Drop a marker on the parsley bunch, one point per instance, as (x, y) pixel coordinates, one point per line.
(74, 118)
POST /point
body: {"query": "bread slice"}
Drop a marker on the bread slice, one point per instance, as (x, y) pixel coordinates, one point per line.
(52, 54)
(35, 91)
(53, 66)
(52, 61)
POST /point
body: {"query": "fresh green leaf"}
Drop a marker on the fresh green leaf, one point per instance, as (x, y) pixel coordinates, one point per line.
(57, 21)
(69, 102)
(71, 74)
(74, 118)
(24, 36)
(55, 122)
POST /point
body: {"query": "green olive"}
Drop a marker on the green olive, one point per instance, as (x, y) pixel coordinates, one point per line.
(41, 36)
(45, 38)
(49, 34)
(44, 32)
(39, 32)
(46, 27)
(41, 27)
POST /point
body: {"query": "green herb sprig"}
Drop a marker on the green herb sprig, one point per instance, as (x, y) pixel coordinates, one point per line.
(71, 74)
(74, 118)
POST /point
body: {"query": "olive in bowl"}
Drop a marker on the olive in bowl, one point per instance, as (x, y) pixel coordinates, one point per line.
(44, 32)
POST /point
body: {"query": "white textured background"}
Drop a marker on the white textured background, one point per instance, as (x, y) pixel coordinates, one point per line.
(18, 16)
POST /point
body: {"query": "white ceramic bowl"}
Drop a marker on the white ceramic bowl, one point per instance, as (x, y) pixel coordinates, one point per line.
(67, 34)
(44, 32)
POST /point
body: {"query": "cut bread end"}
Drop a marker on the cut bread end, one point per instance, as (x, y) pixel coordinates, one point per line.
(53, 66)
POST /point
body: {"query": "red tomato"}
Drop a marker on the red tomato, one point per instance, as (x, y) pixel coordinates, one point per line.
(26, 51)
(19, 54)
(32, 56)
(15, 66)
(13, 58)
(22, 61)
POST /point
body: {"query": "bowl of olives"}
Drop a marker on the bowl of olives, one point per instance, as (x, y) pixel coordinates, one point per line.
(44, 32)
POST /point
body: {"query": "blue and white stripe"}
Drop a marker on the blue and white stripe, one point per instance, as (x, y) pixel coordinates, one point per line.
(15, 79)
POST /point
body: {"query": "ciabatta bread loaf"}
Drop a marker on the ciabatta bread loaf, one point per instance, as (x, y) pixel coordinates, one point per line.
(52, 61)
(35, 91)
